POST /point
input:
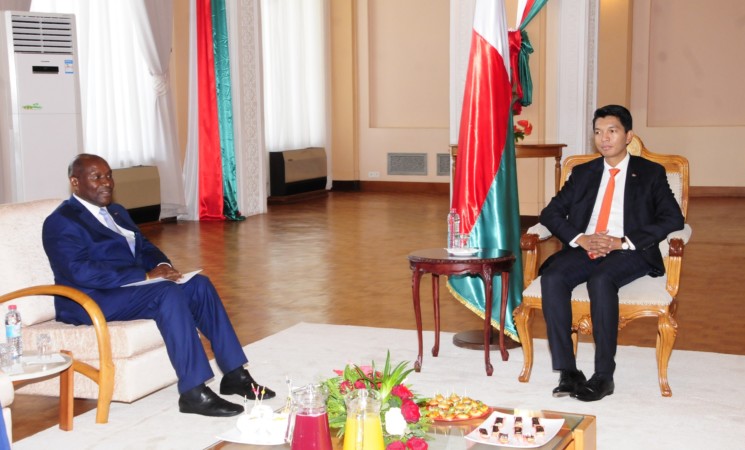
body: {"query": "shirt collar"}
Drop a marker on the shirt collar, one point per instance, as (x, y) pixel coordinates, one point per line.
(622, 166)
(90, 207)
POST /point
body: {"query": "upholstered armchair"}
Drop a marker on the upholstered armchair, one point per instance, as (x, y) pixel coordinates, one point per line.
(645, 297)
(118, 361)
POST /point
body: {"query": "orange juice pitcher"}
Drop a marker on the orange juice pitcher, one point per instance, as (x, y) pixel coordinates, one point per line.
(363, 430)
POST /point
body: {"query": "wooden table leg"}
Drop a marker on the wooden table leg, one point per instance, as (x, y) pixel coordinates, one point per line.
(66, 396)
(486, 275)
(436, 307)
(415, 279)
(503, 313)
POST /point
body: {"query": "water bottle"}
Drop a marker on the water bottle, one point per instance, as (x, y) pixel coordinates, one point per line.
(13, 331)
(453, 228)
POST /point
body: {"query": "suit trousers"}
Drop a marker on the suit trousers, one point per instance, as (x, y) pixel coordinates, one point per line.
(179, 310)
(604, 276)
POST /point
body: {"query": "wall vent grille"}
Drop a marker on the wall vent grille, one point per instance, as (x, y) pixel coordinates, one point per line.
(443, 165)
(407, 164)
(43, 34)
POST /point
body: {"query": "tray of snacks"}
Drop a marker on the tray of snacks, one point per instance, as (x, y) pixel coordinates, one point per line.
(507, 430)
(455, 408)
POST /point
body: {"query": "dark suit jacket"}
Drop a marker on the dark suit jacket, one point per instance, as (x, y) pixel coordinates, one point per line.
(650, 209)
(88, 256)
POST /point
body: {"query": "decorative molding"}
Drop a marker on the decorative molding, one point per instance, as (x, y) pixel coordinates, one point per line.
(716, 191)
(244, 18)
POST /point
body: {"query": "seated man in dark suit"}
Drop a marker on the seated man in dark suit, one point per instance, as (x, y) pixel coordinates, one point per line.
(94, 246)
(611, 215)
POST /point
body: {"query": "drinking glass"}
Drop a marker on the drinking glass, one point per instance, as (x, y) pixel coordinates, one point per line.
(44, 345)
(462, 240)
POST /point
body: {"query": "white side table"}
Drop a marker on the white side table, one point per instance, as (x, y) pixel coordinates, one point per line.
(34, 368)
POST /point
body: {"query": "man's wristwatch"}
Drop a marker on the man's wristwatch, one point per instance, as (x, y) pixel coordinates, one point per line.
(624, 244)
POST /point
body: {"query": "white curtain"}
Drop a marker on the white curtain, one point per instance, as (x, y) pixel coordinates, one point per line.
(128, 116)
(294, 48)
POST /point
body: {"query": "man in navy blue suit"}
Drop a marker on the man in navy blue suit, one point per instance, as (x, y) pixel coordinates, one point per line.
(94, 246)
(643, 211)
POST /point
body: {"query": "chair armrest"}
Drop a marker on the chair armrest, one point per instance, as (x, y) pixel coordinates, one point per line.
(104, 375)
(529, 244)
(675, 245)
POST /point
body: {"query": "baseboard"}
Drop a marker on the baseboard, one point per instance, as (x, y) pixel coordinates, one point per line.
(346, 185)
(527, 222)
(294, 198)
(716, 191)
(409, 188)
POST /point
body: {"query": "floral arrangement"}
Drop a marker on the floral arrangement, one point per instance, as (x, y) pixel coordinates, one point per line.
(521, 129)
(401, 413)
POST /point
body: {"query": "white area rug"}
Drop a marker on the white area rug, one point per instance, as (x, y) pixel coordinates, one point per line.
(705, 411)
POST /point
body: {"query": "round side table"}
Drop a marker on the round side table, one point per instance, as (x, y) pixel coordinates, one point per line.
(485, 263)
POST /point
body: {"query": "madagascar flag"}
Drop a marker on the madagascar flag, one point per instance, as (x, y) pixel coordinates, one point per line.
(485, 183)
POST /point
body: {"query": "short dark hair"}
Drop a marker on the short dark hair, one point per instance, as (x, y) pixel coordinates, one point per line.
(618, 111)
(76, 165)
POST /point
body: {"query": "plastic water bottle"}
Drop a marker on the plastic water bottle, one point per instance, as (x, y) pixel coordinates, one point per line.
(13, 331)
(453, 228)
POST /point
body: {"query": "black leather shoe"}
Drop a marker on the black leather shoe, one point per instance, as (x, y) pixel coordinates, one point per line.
(240, 382)
(202, 400)
(569, 382)
(595, 389)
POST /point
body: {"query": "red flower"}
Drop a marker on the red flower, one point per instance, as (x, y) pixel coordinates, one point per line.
(526, 125)
(416, 443)
(402, 392)
(397, 445)
(359, 384)
(410, 411)
(345, 387)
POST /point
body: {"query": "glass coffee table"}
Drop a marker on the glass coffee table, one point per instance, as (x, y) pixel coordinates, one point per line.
(34, 368)
(577, 433)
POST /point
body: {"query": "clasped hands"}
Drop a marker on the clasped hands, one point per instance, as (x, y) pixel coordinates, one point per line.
(164, 271)
(599, 244)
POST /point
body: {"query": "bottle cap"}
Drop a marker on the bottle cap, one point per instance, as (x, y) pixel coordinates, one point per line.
(11, 306)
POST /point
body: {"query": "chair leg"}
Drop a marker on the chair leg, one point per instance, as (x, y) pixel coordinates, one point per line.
(575, 341)
(105, 393)
(667, 330)
(523, 316)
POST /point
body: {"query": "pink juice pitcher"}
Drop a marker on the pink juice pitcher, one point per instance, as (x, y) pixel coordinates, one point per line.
(309, 421)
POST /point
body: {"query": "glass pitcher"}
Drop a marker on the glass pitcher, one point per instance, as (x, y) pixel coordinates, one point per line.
(309, 420)
(363, 430)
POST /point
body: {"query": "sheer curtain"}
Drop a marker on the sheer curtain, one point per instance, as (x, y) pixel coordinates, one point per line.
(294, 58)
(128, 116)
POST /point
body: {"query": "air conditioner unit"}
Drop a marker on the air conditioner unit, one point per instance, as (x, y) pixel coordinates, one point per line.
(40, 120)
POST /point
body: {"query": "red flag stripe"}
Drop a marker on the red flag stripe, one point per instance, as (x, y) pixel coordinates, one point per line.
(483, 129)
(210, 158)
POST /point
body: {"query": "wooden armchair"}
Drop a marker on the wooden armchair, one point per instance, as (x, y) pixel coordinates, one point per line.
(103, 376)
(645, 297)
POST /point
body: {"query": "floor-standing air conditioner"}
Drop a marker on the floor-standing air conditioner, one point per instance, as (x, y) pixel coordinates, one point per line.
(40, 120)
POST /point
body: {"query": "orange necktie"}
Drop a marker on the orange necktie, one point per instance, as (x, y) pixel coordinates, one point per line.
(602, 224)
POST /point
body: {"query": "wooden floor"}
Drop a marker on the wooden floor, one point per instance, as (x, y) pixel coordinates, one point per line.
(341, 259)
